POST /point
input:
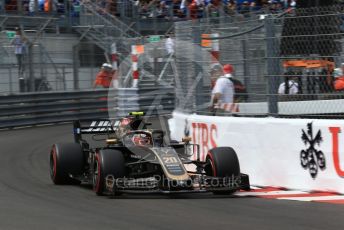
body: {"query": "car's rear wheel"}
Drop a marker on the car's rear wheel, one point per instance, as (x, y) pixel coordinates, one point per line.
(107, 162)
(222, 162)
(66, 159)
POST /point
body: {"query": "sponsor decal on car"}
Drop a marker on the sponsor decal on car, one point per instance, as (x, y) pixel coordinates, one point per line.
(101, 126)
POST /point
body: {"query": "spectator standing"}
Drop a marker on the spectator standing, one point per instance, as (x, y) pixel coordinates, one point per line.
(240, 92)
(169, 45)
(193, 9)
(213, 8)
(293, 3)
(293, 87)
(47, 6)
(104, 76)
(19, 43)
(32, 6)
(231, 7)
(223, 91)
(338, 83)
(162, 10)
(177, 13)
(245, 9)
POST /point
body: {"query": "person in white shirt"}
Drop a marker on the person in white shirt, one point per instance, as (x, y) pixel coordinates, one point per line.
(293, 87)
(169, 45)
(19, 43)
(223, 91)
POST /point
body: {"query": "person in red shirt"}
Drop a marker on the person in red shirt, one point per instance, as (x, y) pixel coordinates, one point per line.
(193, 9)
(104, 77)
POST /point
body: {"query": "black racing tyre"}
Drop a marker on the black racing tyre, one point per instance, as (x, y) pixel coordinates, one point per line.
(107, 162)
(222, 162)
(65, 159)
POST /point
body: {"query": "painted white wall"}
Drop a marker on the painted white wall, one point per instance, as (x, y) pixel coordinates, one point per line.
(268, 148)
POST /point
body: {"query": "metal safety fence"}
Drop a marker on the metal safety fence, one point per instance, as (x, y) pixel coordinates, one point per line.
(29, 109)
(289, 62)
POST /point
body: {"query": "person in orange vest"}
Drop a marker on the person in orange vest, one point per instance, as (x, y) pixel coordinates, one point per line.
(338, 83)
(47, 4)
(104, 76)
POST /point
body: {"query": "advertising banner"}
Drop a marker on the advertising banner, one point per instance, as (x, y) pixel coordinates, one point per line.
(293, 153)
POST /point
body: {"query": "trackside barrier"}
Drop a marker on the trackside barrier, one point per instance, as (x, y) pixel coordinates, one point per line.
(51, 107)
(306, 154)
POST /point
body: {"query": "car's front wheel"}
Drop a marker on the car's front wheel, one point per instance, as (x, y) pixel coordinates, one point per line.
(222, 162)
(107, 163)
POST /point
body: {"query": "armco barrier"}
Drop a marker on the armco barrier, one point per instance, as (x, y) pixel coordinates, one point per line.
(306, 154)
(51, 107)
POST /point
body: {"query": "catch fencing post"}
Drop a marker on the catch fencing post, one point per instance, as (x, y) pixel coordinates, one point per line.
(197, 55)
(31, 80)
(76, 65)
(245, 64)
(273, 65)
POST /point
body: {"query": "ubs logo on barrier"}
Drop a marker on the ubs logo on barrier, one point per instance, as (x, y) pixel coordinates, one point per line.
(203, 134)
(312, 158)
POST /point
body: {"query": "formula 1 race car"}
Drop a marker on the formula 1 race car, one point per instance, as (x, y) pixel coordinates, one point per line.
(129, 157)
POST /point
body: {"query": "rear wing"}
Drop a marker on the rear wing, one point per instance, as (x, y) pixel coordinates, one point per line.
(94, 127)
(133, 121)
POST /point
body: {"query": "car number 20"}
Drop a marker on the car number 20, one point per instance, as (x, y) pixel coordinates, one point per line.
(170, 160)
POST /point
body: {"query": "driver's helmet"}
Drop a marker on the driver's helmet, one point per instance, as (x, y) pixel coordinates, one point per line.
(124, 127)
(142, 139)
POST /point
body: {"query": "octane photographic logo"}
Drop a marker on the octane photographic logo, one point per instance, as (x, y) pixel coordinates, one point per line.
(153, 183)
(312, 158)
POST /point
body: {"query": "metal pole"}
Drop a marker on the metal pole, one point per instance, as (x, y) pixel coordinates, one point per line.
(68, 15)
(197, 54)
(63, 78)
(92, 61)
(245, 65)
(20, 7)
(10, 79)
(122, 9)
(155, 65)
(36, 7)
(31, 84)
(76, 64)
(273, 65)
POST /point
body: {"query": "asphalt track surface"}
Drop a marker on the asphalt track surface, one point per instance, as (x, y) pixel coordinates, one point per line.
(29, 200)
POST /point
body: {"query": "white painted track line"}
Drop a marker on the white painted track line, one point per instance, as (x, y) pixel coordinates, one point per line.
(313, 198)
(270, 193)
